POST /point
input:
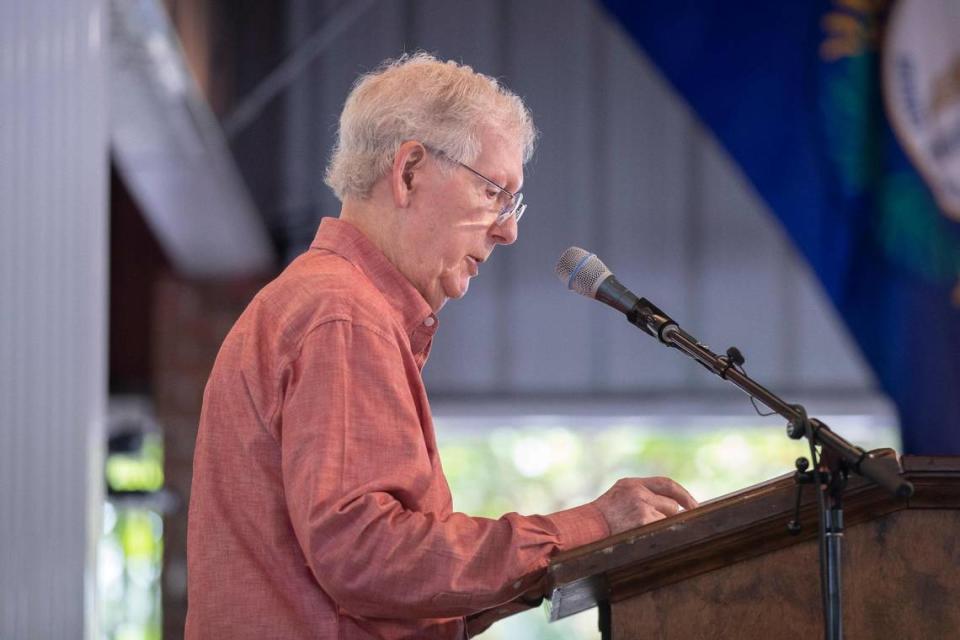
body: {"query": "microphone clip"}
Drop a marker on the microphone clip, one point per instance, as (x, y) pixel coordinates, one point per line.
(650, 319)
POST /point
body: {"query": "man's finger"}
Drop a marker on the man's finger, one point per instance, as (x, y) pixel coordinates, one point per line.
(669, 488)
(650, 514)
(667, 506)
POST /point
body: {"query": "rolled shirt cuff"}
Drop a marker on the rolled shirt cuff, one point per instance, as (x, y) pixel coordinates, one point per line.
(579, 526)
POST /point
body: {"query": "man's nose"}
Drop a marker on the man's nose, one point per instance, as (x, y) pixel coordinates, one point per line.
(507, 232)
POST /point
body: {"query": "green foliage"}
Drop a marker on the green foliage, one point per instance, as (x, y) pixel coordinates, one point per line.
(527, 465)
(131, 547)
(131, 554)
(542, 467)
(142, 471)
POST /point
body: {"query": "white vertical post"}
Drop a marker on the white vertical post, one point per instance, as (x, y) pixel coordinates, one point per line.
(53, 301)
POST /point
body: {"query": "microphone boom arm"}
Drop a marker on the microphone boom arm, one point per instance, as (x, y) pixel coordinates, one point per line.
(656, 323)
(583, 272)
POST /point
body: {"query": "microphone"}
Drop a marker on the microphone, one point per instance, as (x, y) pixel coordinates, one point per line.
(583, 272)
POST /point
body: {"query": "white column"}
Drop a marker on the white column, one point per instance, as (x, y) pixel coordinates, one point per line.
(53, 296)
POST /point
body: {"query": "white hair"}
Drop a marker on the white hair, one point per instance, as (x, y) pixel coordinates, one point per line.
(444, 105)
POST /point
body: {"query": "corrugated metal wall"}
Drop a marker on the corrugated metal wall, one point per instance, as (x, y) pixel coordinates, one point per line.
(53, 258)
(623, 169)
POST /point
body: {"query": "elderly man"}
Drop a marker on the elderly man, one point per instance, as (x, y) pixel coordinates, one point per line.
(319, 508)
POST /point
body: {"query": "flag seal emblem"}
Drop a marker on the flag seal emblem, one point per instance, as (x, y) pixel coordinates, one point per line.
(921, 87)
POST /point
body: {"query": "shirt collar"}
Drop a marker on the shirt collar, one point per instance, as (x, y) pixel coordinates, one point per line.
(347, 241)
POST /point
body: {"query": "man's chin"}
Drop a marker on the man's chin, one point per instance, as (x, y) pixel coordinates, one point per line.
(455, 293)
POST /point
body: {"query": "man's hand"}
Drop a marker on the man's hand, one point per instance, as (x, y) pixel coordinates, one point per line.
(633, 502)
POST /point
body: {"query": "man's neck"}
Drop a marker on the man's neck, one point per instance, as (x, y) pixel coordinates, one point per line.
(372, 221)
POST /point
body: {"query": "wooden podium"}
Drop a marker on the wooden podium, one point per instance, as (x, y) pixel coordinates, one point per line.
(730, 569)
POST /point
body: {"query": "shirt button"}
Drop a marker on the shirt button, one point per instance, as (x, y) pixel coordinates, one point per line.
(429, 322)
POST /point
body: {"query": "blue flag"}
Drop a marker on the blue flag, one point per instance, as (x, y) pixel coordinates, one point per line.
(802, 97)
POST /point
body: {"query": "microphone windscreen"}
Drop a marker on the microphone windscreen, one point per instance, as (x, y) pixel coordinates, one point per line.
(581, 271)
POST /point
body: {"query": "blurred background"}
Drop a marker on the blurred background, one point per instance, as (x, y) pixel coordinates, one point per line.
(160, 160)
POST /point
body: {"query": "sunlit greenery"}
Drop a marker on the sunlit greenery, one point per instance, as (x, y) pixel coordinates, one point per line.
(141, 471)
(528, 465)
(131, 549)
(545, 465)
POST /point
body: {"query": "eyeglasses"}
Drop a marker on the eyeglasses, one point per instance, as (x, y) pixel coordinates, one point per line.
(514, 204)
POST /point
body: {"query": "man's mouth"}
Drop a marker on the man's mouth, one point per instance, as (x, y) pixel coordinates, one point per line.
(474, 264)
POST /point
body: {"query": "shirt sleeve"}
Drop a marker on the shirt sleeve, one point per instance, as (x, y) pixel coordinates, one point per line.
(355, 468)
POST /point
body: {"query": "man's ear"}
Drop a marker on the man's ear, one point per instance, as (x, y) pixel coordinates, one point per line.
(404, 175)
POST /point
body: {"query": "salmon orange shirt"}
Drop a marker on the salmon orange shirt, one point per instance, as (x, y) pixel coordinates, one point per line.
(319, 508)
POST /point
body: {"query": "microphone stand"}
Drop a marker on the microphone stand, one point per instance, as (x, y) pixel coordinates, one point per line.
(837, 460)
